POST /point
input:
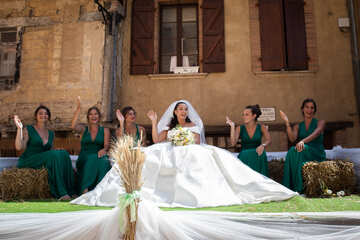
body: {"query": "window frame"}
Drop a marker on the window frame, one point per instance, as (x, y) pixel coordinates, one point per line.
(310, 34)
(144, 55)
(9, 82)
(179, 33)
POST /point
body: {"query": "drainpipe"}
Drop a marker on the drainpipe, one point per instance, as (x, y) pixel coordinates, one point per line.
(114, 61)
(355, 51)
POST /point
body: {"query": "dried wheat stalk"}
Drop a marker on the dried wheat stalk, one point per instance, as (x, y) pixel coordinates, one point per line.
(130, 162)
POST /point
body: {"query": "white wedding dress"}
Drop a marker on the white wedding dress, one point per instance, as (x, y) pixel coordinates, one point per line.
(191, 176)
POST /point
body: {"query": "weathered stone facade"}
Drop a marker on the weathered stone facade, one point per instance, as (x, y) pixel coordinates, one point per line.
(62, 57)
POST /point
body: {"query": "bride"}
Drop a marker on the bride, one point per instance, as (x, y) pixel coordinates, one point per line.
(196, 175)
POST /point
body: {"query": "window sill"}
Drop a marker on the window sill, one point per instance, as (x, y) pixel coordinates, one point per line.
(177, 76)
(285, 73)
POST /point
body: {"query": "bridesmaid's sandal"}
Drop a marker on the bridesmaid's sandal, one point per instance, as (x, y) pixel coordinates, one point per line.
(65, 198)
(85, 191)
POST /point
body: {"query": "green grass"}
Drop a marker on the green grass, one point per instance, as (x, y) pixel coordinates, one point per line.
(296, 204)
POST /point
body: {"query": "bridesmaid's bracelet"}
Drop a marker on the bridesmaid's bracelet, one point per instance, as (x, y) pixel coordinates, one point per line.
(263, 144)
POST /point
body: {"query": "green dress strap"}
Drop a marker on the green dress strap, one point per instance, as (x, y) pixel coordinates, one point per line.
(137, 136)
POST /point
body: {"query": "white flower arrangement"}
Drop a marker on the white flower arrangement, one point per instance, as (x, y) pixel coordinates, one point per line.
(340, 193)
(180, 136)
(328, 192)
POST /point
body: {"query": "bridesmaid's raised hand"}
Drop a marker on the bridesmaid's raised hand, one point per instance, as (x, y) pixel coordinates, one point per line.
(283, 116)
(78, 103)
(152, 115)
(119, 116)
(229, 122)
(18, 122)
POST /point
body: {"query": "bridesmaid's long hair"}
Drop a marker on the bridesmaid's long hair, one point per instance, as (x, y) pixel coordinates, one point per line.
(45, 108)
(307, 100)
(174, 121)
(93, 108)
(125, 110)
(255, 109)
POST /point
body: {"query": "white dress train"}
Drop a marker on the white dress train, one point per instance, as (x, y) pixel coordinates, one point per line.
(155, 224)
(191, 176)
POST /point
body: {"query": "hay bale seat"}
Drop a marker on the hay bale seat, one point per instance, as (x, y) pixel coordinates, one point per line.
(336, 175)
(24, 183)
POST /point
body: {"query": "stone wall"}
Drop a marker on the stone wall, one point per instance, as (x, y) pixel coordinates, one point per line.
(62, 57)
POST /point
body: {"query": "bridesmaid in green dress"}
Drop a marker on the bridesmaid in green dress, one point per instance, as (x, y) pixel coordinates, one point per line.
(93, 163)
(252, 150)
(309, 147)
(128, 126)
(37, 141)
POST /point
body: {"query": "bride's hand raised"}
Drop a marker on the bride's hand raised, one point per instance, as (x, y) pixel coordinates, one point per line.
(229, 122)
(152, 115)
(18, 122)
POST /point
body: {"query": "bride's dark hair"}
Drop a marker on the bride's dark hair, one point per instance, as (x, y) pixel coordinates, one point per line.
(174, 121)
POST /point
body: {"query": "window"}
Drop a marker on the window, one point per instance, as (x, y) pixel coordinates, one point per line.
(178, 37)
(9, 58)
(187, 33)
(282, 35)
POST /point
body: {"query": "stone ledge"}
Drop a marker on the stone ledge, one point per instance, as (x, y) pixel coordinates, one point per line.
(177, 76)
(284, 73)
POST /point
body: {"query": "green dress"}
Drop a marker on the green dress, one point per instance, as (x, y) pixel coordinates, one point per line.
(91, 169)
(57, 162)
(137, 135)
(313, 151)
(248, 154)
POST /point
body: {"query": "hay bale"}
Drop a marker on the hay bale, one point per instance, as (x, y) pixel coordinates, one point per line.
(24, 183)
(336, 175)
(276, 170)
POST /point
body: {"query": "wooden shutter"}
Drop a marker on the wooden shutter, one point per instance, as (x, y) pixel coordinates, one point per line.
(272, 35)
(295, 35)
(142, 37)
(213, 36)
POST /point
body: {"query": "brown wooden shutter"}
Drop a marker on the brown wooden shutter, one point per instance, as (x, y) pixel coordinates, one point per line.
(295, 35)
(213, 36)
(142, 37)
(272, 35)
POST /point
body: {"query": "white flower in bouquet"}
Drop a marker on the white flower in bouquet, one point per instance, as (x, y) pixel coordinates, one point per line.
(340, 193)
(180, 136)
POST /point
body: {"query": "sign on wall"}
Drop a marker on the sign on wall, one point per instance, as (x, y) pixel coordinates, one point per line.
(267, 114)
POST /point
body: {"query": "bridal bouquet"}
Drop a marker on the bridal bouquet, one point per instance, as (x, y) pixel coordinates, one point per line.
(181, 136)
